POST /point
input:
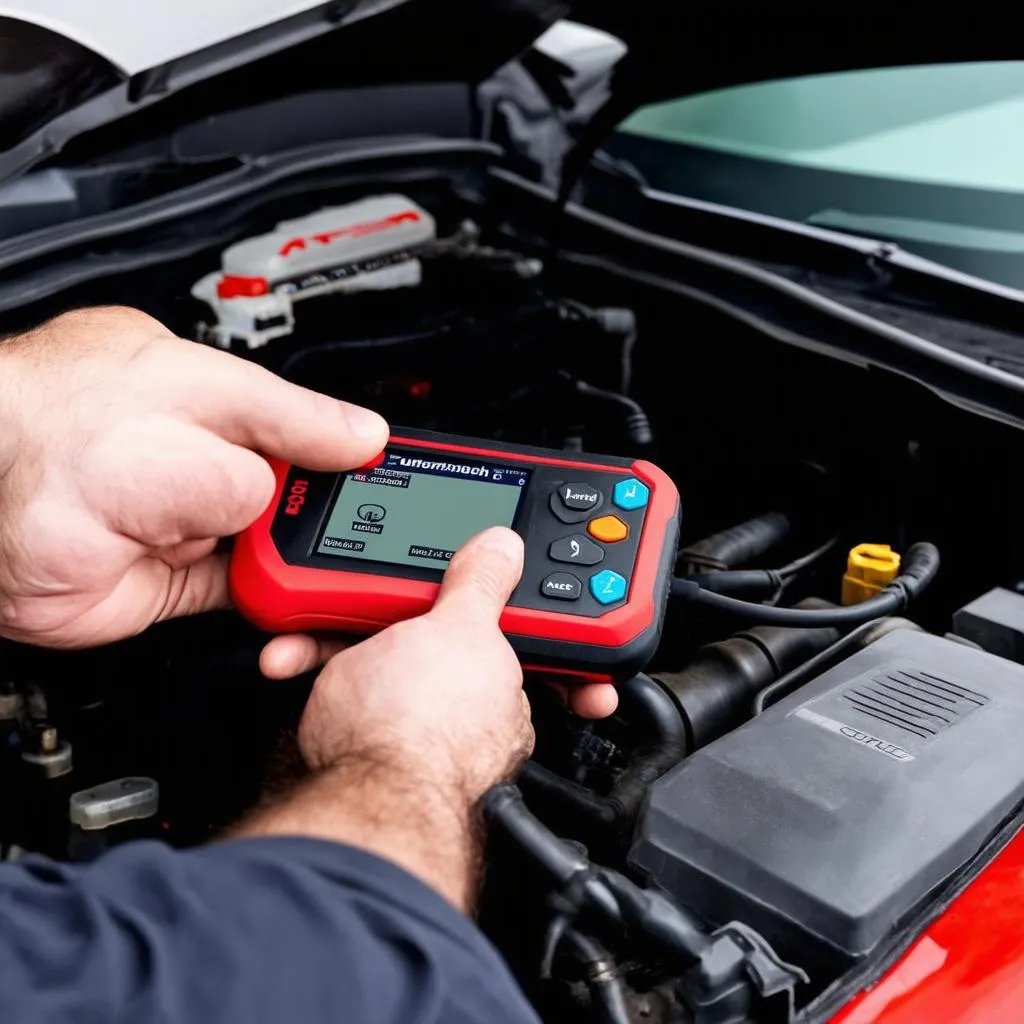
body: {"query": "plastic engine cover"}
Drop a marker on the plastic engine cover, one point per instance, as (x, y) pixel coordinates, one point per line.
(836, 812)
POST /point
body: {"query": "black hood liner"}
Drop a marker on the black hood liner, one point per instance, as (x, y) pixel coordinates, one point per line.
(344, 44)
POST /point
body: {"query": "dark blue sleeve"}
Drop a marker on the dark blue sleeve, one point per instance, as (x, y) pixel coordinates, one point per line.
(257, 930)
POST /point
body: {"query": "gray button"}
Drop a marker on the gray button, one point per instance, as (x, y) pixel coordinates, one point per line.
(562, 586)
(577, 548)
(579, 497)
(572, 514)
(113, 803)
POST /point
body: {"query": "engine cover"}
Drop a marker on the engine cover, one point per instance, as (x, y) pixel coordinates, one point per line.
(834, 814)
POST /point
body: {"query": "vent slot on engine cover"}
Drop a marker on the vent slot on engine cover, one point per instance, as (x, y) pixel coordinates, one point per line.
(913, 700)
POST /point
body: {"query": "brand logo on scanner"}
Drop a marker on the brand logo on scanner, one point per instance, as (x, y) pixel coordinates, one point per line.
(296, 497)
(371, 513)
(865, 739)
(455, 468)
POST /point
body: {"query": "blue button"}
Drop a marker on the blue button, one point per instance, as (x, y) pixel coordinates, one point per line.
(607, 586)
(630, 494)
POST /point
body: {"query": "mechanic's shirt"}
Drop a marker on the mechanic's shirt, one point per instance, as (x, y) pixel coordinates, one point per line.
(275, 930)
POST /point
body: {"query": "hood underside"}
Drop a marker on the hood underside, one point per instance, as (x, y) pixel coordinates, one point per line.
(672, 49)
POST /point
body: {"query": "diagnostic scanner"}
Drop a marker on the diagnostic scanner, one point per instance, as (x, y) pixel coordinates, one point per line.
(355, 552)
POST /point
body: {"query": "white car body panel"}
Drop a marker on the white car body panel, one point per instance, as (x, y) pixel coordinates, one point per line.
(136, 35)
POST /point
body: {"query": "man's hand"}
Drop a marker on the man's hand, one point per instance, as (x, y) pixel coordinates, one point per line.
(407, 730)
(292, 654)
(125, 453)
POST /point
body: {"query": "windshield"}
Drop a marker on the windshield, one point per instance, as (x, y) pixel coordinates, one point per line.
(931, 158)
(42, 75)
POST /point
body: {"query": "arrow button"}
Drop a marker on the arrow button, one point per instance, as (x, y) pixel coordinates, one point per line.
(608, 587)
(578, 549)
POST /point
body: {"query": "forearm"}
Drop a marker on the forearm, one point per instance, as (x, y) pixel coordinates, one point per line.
(429, 830)
(12, 398)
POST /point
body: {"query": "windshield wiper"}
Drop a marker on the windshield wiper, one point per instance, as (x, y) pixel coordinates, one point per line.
(885, 267)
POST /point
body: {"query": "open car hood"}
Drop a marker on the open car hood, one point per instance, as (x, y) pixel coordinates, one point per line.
(67, 69)
(99, 65)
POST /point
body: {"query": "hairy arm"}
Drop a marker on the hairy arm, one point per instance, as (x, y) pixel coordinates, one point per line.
(366, 802)
(406, 731)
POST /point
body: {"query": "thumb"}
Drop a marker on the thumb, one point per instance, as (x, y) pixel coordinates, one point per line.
(481, 577)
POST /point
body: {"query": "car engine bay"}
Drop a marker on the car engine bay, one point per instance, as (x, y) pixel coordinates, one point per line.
(813, 793)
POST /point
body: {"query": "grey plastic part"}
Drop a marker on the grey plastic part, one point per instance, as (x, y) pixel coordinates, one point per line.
(36, 200)
(994, 621)
(10, 706)
(113, 803)
(834, 814)
(52, 764)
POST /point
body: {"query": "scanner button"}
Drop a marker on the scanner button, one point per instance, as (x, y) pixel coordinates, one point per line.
(608, 529)
(631, 494)
(579, 497)
(607, 586)
(562, 586)
(577, 548)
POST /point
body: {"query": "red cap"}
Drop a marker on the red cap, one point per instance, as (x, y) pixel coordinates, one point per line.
(373, 463)
(231, 286)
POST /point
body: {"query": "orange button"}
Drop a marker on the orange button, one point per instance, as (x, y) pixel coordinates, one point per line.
(608, 528)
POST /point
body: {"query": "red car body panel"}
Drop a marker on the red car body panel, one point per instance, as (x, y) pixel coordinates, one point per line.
(967, 967)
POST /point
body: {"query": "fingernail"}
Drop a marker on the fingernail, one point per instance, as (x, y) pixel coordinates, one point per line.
(363, 422)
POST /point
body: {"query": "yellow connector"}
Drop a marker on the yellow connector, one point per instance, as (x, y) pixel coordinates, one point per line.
(869, 568)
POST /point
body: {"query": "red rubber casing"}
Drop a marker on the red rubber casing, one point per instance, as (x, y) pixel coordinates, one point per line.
(280, 597)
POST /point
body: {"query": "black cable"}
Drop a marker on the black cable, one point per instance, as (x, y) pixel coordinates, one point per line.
(620, 322)
(888, 602)
(751, 584)
(788, 573)
(647, 705)
(616, 322)
(746, 583)
(637, 423)
(572, 801)
(612, 897)
(504, 805)
(738, 544)
(657, 916)
(628, 345)
(649, 709)
(734, 955)
(605, 989)
(809, 559)
(920, 566)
